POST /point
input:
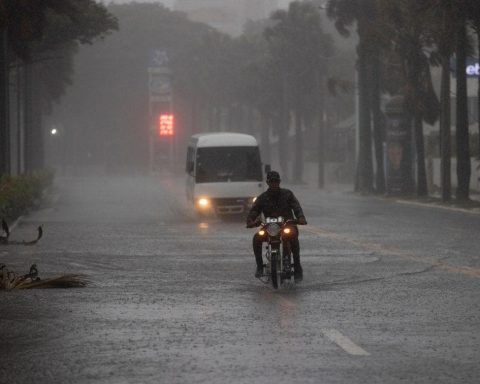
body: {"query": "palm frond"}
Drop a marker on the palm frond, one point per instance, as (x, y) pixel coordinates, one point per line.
(64, 281)
(5, 239)
(10, 280)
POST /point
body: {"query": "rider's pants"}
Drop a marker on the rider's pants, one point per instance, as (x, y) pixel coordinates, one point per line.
(294, 244)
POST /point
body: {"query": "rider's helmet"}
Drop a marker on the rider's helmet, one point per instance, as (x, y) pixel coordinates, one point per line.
(273, 176)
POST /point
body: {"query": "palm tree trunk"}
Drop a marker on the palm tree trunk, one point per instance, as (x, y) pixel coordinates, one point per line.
(298, 173)
(422, 189)
(4, 107)
(34, 135)
(265, 126)
(194, 115)
(29, 136)
(445, 135)
(283, 144)
(284, 128)
(364, 161)
(321, 130)
(463, 151)
(478, 90)
(378, 127)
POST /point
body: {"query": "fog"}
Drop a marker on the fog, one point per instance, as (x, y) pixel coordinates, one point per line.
(248, 191)
(232, 67)
(106, 119)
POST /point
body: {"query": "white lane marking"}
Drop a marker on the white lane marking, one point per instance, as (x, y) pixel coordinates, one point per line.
(344, 342)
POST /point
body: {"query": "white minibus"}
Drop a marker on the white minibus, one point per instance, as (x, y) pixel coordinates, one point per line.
(224, 173)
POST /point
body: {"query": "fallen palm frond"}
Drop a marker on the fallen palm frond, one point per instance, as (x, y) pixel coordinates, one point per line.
(5, 239)
(9, 280)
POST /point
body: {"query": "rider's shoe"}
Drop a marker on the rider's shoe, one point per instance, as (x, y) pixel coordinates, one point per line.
(298, 273)
(259, 272)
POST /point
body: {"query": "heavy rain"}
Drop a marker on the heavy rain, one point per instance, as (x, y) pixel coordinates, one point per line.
(239, 191)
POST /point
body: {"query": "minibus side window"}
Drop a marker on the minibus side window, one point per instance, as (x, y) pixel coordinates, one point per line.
(189, 168)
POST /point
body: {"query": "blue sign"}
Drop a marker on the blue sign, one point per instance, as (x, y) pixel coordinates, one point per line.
(158, 58)
(472, 68)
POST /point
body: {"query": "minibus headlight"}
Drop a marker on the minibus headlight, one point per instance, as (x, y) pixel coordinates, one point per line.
(203, 202)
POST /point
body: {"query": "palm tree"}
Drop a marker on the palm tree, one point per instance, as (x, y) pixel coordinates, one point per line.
(462, 136)
(346, 13)
(443, 33)
(474, 17)
(23, 26)
(412, 42)
(299, 46)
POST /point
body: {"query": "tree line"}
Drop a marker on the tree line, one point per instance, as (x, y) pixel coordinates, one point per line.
(38, 40)
(258, 82)
(406, 38)
(282, 76)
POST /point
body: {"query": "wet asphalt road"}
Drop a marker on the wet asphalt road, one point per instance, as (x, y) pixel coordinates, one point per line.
(391, 293)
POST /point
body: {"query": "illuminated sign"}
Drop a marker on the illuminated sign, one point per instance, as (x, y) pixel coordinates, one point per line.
(473, 69)
(166, 125)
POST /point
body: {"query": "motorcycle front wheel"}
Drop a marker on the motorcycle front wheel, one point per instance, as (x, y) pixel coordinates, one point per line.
(273, 269)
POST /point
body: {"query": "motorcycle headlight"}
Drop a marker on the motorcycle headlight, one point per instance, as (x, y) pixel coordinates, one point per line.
(287, 231)
(273, 229)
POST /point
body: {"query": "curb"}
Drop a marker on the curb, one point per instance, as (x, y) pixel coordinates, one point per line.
(473, 211)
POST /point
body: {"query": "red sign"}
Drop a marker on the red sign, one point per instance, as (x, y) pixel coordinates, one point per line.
(166, 125)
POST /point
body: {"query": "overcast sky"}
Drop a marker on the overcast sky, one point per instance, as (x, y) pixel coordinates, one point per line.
(166, 2)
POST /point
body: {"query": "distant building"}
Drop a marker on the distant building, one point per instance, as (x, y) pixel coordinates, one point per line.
(228, 16)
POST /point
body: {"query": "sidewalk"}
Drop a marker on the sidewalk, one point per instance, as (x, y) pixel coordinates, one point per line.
(433, 201)
(472, 206)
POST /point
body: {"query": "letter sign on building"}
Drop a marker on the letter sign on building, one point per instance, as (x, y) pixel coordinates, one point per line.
(473, 69)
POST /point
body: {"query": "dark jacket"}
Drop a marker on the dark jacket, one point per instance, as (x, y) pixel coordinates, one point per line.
(271, 204)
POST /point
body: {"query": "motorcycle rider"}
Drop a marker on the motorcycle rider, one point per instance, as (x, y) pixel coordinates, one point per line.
(276, 202)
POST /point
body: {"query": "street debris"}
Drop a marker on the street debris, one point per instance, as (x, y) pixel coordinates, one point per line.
(10, 280)
(4, 239)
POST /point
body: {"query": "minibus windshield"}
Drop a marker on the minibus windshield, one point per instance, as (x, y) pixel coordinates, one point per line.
(219, 164)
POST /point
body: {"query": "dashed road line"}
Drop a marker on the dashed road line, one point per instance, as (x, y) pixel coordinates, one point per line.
(344, 342)
(331, 334)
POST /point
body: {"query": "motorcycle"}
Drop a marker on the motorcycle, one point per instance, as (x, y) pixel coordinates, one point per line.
(275, 232)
